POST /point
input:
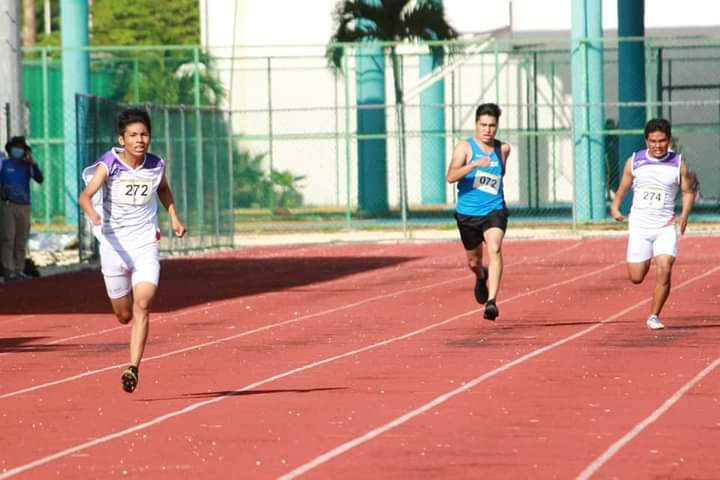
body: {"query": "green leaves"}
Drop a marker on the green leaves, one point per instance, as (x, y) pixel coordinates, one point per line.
(387, 21)
(145, 22)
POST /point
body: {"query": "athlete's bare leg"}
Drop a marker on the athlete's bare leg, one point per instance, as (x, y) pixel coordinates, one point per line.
(493, 239)
(143, 294)
(663, 274)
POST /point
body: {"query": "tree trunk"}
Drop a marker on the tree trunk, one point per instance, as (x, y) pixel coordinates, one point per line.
(28, 29)
(400, 120)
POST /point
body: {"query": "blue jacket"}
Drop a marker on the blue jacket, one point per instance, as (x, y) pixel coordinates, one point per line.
(15, 180)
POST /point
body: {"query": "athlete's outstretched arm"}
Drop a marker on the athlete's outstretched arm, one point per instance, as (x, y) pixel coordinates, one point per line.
(688, 187)
(625, 184)
(91, 189)
(166, 198)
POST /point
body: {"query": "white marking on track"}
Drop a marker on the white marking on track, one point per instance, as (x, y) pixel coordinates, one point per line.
(190, 408)
(349, 445)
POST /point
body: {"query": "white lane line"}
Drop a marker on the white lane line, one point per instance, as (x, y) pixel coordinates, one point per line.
(232, 337)
(158, 318)
(15, 318)
(339, 450)
(190, 408)
(228, 338)
(601, 460)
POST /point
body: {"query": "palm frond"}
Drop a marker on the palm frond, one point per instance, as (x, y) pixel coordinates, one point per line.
(388, 21)
(427, 22)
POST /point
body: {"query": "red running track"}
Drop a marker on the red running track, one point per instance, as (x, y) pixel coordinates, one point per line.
(370, 361)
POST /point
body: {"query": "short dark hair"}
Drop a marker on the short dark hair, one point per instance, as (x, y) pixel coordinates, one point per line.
(133, 115)
(488, 109)
(658, 125)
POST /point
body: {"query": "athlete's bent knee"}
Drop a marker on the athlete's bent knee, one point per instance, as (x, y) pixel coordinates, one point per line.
(124, 317)
(142, 304)
(473, 264)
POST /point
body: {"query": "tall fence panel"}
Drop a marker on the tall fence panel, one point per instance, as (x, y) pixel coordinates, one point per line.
(294, 136)
(197, 148)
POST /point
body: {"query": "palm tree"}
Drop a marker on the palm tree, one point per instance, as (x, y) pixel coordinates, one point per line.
(390, 21)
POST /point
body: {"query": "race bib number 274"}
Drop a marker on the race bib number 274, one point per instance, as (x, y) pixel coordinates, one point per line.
(647, 197)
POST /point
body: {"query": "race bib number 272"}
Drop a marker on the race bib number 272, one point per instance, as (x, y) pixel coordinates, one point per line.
(136, 191)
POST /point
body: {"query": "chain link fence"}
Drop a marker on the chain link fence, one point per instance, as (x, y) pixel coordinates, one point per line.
(196, 145)
(311, 149)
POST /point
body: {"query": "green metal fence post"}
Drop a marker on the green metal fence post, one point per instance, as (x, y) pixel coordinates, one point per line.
(199, 180)
(183, 159)
(348, 179)
(168, 157)
(648, 80)
(46, 133)
(230, 179)
(196, 75)
(136, 81)
(216, 180)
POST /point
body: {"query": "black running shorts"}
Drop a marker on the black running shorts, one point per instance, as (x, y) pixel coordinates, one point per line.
(472, 228)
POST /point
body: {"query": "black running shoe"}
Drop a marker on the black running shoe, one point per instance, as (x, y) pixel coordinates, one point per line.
(481, 288)
(130, 379)
(491, 310)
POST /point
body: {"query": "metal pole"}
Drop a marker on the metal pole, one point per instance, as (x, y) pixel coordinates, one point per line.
(230, 179)
(270, 134)
(337, 145)
(216, 181)
(136, 81)
(168, 156)
(196, 75)
(199, 162)
(46, 132)
(574, 169)
(11, 66)
(183, 158)
(648, 80)
(497, 70)
(76, 79)
(348, 222)
(553, 125)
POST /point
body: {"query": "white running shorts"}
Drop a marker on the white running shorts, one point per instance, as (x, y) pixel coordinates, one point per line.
(646, 244)
(123, 269)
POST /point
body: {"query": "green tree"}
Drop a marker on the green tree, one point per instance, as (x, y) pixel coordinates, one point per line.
(253, 187)
(390, 21)
(145, 22)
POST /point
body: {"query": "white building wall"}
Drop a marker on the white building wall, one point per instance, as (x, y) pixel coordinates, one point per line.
(249, 38)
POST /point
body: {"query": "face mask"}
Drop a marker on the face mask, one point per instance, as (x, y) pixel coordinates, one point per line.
(17, 153)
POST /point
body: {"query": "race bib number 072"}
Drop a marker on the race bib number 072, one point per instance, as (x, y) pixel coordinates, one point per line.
(487, 182)
(136, 191)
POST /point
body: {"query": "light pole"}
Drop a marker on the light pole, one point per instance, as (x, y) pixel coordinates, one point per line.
(11, 67)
